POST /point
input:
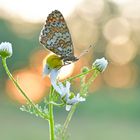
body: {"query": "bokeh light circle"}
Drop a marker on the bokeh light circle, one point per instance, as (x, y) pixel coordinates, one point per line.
(124, 76)
(121, 54)
(117, 30)
(30, 82)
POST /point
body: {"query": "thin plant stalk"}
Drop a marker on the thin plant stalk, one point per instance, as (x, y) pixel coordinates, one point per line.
(19, 88)
(81, 74)
(68, 119)
(51, 120)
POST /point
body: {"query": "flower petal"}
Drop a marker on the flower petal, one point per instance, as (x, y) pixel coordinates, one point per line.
(68, 86)
(75, 100)
(68, 107)
(81, 99)
(53, 75)
(46, 70)
(63, 89)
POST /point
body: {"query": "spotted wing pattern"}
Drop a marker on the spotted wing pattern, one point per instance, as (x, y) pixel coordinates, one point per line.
(55, 36)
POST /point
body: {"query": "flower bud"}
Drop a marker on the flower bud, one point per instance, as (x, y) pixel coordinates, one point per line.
(5, 49)
(85, 69)
(100, 64)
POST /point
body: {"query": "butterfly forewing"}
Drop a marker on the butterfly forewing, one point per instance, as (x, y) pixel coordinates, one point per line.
(55, 36)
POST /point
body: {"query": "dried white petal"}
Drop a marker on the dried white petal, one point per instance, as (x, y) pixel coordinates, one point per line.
(46, 70)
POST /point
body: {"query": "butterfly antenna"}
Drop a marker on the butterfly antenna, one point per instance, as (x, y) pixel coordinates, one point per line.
(86, 51)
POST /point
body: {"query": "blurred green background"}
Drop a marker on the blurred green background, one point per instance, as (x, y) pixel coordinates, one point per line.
(112, 109)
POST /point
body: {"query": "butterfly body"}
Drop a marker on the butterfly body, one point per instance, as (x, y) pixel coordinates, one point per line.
(55, 36)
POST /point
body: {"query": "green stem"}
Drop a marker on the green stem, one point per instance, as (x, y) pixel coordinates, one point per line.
(19, 88)
(68, 119)
(81, 74)
(93, 77)
(85, 86)
(56, 104)
(51, 120)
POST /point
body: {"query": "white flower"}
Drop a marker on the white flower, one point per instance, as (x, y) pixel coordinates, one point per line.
(52, 65)
(68, 97)
(76, 99)
(51, 62)
(64, 91)
(5, 49)
(71, 101)
(100, 64)
(53, 75)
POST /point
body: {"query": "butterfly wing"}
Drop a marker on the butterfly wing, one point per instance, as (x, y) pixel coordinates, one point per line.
(55, 36)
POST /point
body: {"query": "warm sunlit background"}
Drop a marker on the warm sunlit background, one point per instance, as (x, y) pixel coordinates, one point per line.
(112, 110)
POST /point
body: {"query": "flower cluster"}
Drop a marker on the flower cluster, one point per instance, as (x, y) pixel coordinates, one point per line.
(68, 97)
(51, 66)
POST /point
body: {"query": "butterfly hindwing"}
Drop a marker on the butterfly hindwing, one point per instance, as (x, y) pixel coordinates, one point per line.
(55, 36)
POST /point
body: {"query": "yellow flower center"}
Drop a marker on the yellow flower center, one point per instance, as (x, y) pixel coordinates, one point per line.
(54, 61)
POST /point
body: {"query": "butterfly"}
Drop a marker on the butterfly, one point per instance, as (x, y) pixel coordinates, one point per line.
(55, 36)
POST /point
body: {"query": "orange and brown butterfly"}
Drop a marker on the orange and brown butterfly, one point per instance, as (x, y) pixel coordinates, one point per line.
(55, 36)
